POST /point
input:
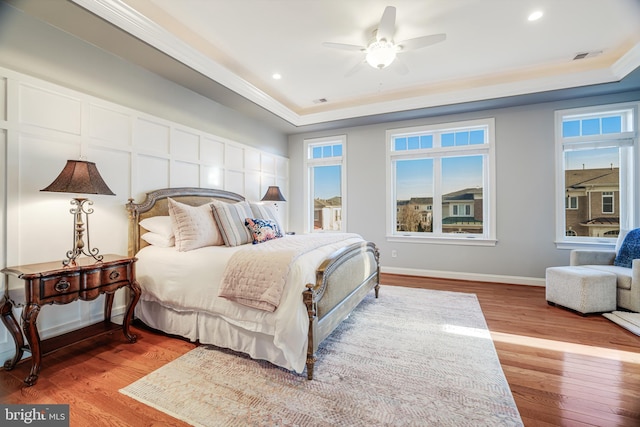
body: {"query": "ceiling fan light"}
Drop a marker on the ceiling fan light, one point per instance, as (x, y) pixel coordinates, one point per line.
(381, 54)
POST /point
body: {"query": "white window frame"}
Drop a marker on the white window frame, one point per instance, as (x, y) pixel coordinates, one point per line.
(568, 204)
(309, 163)
(488, 237)
(629, 171)
(608, 195)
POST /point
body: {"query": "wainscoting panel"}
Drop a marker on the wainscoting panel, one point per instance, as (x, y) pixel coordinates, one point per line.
(110, 126)
(185, 174)
(3, 98)
(152, 136)
(234, 158)
(212, 152)
(151, 173)
(49, 109)
(185, 145)
(43, 125)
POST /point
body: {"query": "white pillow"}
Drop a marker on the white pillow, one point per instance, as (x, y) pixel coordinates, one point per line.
(194, 226)
(161, 225)
(158, 240)
(230, 219)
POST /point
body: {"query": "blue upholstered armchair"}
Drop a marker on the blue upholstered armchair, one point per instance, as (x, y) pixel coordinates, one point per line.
(624, 262)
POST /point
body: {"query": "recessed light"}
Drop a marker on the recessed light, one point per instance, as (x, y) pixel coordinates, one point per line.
(276, 76)
(534, 16)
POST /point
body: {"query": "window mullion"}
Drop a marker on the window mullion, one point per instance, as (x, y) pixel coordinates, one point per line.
(437, 196)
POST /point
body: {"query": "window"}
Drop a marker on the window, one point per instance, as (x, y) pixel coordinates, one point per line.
(596, 170)
(607, 202)
(325, 184)
(441, 183)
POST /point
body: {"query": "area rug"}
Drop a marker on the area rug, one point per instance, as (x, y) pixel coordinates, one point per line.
(629, 321)
(412, 357)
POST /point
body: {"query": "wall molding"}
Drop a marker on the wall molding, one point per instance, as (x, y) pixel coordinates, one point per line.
(457, 275)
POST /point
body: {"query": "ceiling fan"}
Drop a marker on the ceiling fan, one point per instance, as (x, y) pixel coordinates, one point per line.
(382, 50)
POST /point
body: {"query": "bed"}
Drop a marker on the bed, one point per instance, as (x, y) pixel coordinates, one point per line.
(325, 280)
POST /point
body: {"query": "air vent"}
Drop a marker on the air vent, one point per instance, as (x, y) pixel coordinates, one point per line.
(583, 55)
(320, 101)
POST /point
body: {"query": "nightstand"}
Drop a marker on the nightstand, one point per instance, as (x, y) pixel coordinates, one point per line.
(53, 283)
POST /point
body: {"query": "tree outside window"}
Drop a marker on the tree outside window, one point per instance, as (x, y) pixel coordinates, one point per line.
(441, 181)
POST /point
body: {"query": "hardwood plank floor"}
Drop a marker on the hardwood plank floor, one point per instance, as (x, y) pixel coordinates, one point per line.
(563, 369)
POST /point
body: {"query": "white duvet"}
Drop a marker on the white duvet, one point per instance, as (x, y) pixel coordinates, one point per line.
(189, 281)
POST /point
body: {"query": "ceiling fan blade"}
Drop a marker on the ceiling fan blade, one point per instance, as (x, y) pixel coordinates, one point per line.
(401, 67)
(387, 26)
(420, 42)
(343, 46)
(353, 70)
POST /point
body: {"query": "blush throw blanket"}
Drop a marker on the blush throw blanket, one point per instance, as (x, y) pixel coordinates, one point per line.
(256, 275)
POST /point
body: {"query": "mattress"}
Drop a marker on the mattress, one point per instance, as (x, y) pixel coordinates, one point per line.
(180, 296)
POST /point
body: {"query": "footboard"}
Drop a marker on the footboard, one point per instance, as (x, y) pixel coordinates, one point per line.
(342, 281)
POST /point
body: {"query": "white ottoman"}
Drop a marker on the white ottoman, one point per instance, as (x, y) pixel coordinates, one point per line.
(582, 289)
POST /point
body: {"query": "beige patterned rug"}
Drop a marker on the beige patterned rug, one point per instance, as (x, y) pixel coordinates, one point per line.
(413, 357)
(629, 321)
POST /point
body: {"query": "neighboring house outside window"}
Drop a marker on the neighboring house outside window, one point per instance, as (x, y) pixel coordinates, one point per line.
(607, 202)
(325, 184)
(441, 183)
(596, 158)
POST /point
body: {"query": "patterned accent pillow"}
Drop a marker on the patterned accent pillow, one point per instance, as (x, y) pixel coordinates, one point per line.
(230, 219)
(262, 230)
(194, 226)
(629, 250)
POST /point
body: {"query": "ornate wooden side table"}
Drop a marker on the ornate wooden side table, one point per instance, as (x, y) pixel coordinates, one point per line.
(53, 283)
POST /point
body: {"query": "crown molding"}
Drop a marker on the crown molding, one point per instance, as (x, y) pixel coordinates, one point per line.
(130, 20)
(120, 14)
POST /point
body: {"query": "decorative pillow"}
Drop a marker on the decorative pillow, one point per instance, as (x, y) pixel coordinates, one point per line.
(161, 225)
(629, 250)
(194, 226)
(158, 240)
(265, 211)
(621, 235)
(262, 230)
(230, 219)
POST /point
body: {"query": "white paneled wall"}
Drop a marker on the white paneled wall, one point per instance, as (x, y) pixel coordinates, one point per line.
(42, 125)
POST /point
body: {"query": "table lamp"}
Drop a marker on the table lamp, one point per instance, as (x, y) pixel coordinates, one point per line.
(80, 177)
(273, 194)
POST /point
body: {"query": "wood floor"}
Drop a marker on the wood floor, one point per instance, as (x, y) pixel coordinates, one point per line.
(563, 369)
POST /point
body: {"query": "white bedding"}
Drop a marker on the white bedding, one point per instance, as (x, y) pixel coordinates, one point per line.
(186, 283)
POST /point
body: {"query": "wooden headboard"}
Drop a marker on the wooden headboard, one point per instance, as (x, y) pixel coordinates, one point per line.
(155, 204)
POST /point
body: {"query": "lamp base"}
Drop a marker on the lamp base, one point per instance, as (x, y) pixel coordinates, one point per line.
(80, 218)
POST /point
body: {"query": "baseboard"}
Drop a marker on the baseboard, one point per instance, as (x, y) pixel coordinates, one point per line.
(476, 277)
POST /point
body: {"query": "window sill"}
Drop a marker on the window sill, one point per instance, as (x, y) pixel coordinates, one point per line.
(598, 245)
(460, 241)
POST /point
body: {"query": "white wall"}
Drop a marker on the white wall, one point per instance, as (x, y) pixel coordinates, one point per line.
(46, 124)
(61, 98)
(40, 50)
(525, 196)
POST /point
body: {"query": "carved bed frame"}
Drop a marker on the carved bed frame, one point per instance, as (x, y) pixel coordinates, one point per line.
(339, 285)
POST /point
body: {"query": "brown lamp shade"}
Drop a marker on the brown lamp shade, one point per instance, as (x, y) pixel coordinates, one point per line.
(273, 194)
(79, 177)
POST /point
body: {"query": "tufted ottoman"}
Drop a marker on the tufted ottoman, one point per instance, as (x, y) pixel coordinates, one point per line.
(584, 290)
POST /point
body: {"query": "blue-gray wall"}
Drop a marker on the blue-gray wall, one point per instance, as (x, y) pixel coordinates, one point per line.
(525, 169)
